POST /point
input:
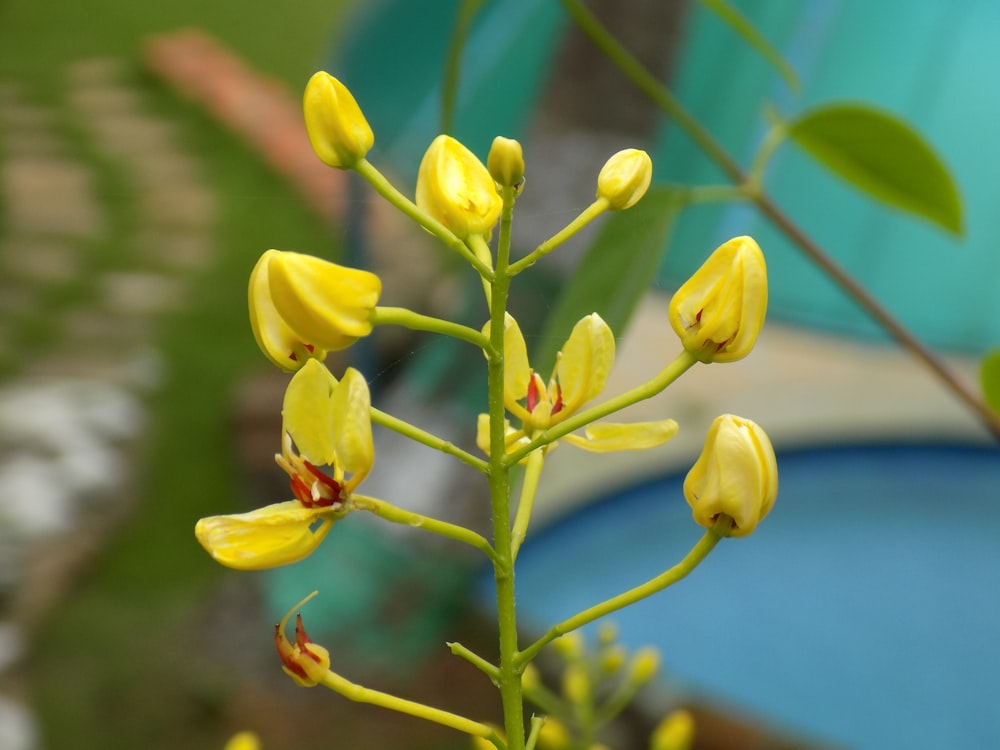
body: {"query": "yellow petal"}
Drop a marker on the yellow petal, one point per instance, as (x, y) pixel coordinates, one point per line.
(338, 130)
(585, 362)
(324, 303)
(625, 178)
(736, 475)
(517, 370)
(352, 426)
(720, 310)
(268, 537)
(607, 437)
(283, 346)
(455, 188)
(308, 413)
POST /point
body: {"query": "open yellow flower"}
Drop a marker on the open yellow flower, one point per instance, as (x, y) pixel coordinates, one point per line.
(329, 422)
(455, 188)
(338, 131)
(582, 369)
(719, 311)
(736, 475)
(302, 307)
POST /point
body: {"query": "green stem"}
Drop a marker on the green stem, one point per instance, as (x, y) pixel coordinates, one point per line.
(401, 316)
(475, 659)
(395, 514)
(536, 727)
(590, 213)
(385, 188)
(509, 676)
(646, 82)
(360, 694)
(453, 63)
(527, 501)
(650, 587)
(480, 248)
(681, 364)
(425, 438)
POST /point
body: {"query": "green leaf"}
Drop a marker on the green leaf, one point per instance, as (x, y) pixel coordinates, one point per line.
(739, 23)
(614, 273)
(989, 376)
(883, 156)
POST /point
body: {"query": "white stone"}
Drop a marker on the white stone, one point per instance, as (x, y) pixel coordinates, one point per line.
(17, 727)
(33, 503)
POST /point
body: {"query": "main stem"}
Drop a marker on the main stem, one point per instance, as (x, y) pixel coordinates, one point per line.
(509, 676)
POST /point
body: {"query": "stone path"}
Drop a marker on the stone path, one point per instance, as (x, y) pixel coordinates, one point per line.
(104, 219)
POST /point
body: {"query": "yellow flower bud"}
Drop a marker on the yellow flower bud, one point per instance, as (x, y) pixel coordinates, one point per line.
(304, 661)
(645, 665)
(338, 131)
(569, 646)
(506, 162)
(554, 736)
(719, 311)
(576, 684)
(455, 188)
(302, 307)
(736, 475)
(625, 178)
(675, 732)
(243, 741)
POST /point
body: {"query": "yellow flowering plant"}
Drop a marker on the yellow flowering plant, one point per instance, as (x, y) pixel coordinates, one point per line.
(302, 307)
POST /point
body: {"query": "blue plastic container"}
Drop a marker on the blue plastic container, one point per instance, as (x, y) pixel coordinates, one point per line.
(865, 610)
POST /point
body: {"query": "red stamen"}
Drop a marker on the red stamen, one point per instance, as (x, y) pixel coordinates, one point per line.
(302, 640)
(285, 654)
(532, 401)
(697, 318)
(301, 491)
(558, 405)
(334, 491)
(308, 347)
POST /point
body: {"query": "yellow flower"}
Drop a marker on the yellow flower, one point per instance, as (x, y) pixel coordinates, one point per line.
(581, 372)
(338, 131)
(675, 732)
(719, 311)
(304, 661)
(455, 188)
(736, 475)
(554, 735)
(301, 306)
(625, 178)
(330, 424)
(243, 741)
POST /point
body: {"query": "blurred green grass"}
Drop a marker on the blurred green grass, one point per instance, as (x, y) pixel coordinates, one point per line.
(112, 666)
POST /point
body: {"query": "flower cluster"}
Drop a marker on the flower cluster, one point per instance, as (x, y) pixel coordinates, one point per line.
(302, 307)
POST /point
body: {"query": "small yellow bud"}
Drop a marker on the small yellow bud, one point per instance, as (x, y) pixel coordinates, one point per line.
(612, 659)
(625, 178)
(554, 736)
(304, 661)
(569, 646)
(301, 306)
(719, 311)
(506, 162)
(736, 475)
(338, 131)
(645, 665)
(243, 741)
(576, 685)
(455, 188)
(675, 732)
(530, 678)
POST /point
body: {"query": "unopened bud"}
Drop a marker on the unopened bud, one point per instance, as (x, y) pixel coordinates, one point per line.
(506, 162)
(625, 178)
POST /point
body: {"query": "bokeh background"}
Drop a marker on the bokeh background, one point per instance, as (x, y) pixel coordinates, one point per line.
(150, 152)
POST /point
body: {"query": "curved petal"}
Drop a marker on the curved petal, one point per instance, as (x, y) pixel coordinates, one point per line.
(308, 413)
(274, 535)
(517, 370)
(608, 437)
(323, 302)
(352, 426)
(274, 336)
(586, 361)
